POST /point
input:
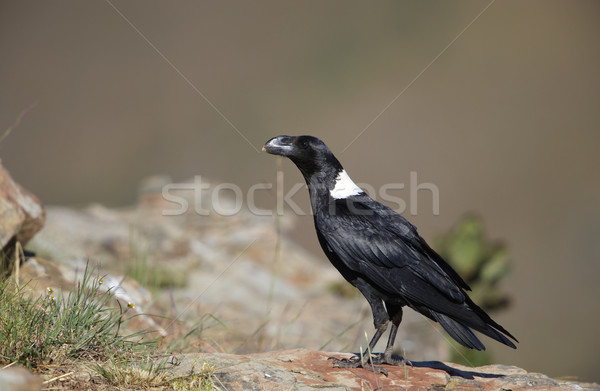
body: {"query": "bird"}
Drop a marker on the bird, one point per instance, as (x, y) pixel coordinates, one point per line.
(382, 254)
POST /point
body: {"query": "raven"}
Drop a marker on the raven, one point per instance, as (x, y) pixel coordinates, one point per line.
(381, 253)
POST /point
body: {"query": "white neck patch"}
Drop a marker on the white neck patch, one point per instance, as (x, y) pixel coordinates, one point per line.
(344, 187)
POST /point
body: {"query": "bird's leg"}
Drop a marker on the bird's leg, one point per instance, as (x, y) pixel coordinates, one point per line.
(387, 354)
(380, 329)
(387, 357)
(367, 360)
(381, 322)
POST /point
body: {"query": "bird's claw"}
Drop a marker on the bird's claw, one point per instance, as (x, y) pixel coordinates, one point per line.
(390, 360)
(356, 362)
(373, 362)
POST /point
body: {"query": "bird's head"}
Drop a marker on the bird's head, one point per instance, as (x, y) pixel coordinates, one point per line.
(309, 153)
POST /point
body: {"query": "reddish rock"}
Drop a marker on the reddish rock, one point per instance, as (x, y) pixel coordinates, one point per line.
(302, 369)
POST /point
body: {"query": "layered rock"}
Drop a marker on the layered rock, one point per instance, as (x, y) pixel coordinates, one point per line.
(21, 215)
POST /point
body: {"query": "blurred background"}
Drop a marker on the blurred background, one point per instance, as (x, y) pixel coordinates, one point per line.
(505, 122)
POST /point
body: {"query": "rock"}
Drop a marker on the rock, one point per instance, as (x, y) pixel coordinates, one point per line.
(302, 369)
(281, 306)
(21, 213)
(21, 216)
(17, 378)
(237, 285)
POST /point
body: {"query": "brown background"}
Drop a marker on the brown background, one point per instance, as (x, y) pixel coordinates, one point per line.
(505, 122)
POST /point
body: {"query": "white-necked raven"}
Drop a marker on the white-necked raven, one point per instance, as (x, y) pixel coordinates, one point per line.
(381, 253)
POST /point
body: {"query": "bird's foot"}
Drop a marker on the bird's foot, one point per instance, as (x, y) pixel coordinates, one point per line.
(390, 359)
(356, 362)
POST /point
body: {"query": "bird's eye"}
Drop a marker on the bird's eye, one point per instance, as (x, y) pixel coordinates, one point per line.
(304, 144)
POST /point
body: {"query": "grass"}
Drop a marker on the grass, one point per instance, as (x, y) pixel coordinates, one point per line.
(125, 372)
(36, 330)
(17, 121)
(144, 270)
(187, 339)
(343, 289)
(202, 380)
(368, 359)
(150, 373)
(81, 328)
(55, 330)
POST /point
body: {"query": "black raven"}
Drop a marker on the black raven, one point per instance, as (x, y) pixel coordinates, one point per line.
(381, 253)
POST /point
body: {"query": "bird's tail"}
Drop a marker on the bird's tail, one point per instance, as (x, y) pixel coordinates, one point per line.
(461, 334)
(492, 329)
(460, 329)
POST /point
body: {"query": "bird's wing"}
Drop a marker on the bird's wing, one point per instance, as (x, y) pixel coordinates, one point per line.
(378, 243)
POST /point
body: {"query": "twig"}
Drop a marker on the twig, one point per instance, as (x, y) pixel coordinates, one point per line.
(57, 378)
(18, 252)
(120, 319)
(404, 364)
(276, 249)
(17, 121)
(8, 365)
(377, 383)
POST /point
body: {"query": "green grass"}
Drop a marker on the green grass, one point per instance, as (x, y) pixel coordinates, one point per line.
(81, 323)
(202, 380)
(484, 264)
(150, 274)
(53, 329)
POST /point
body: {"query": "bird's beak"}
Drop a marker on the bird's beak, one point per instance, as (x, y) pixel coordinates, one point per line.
(280, 145)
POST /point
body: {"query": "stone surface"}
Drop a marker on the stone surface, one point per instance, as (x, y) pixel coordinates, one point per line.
(302, 369)
(21, 213)
(233, 285)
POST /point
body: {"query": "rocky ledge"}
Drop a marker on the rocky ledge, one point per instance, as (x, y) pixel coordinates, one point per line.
(280, 307)
(302, 369)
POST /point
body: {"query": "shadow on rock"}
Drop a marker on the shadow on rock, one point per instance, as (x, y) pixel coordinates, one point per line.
(454, 371)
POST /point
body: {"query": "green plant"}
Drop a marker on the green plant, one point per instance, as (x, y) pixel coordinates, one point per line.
(38, 329)
(343, 289)
(144, 270)
(202, 380)
(482, 263)
(187, 339)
